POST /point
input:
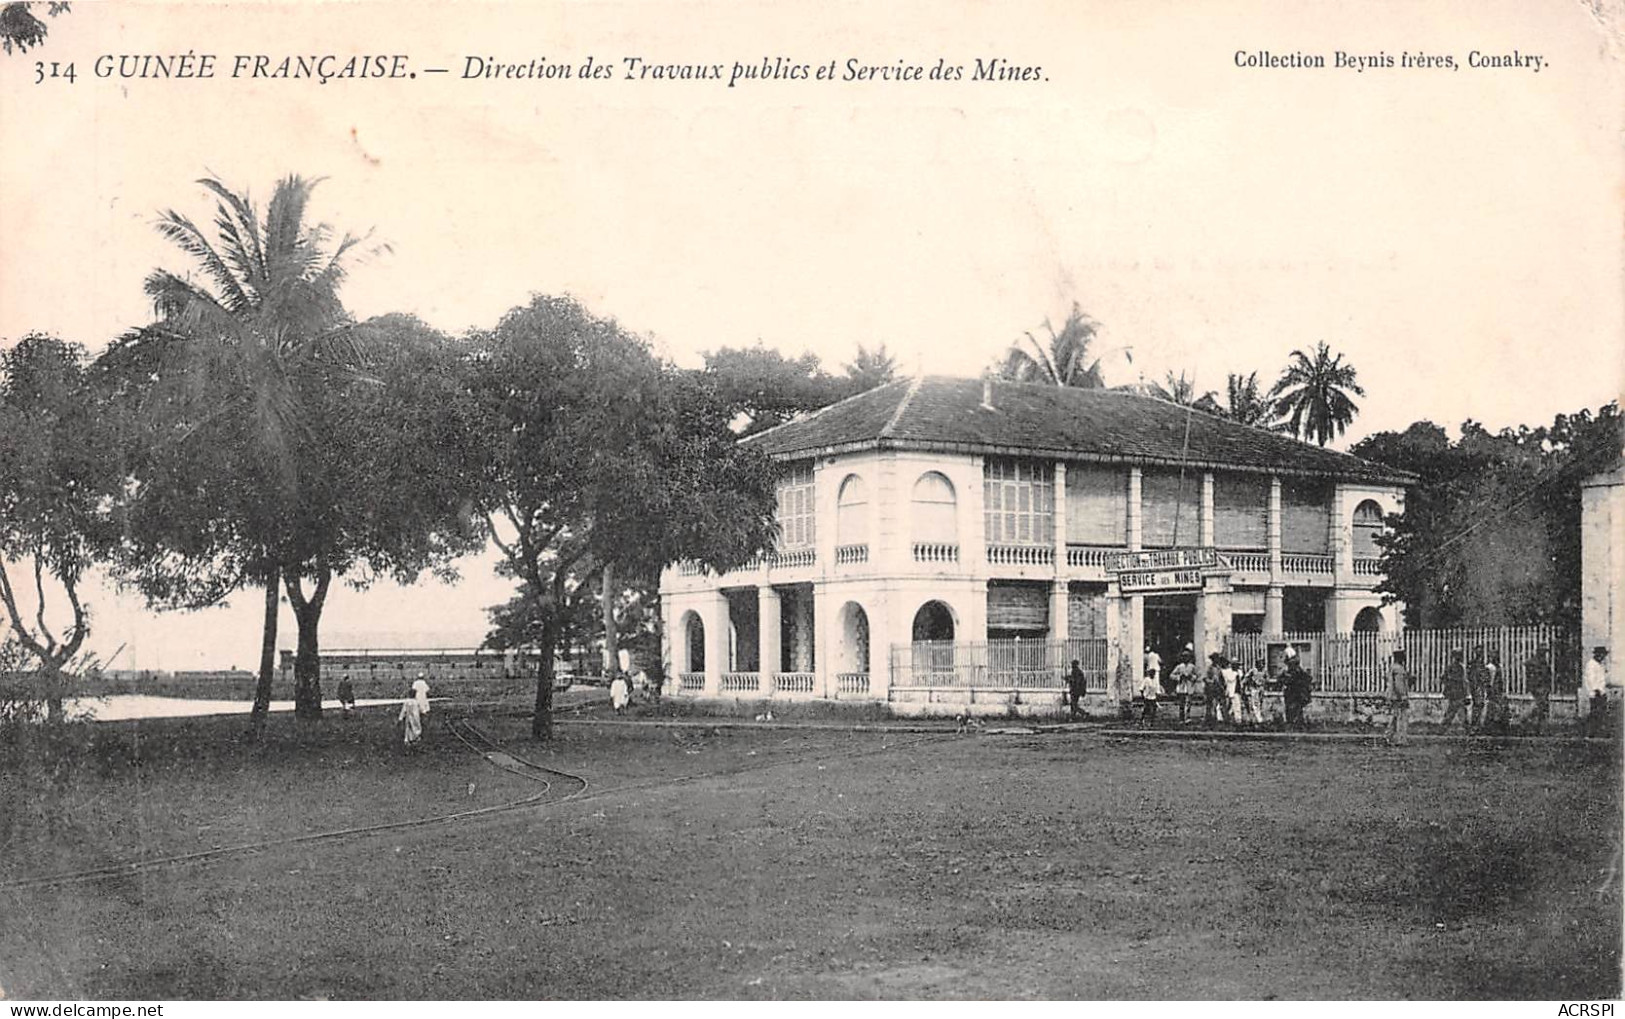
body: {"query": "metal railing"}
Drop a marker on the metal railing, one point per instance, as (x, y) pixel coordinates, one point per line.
(793, 682)
(935, 552)
(1357, 663)
(1038, 664)
(1021, 555)
(845, 554)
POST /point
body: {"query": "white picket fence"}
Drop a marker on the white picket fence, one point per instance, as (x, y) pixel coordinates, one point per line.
(1357, 663)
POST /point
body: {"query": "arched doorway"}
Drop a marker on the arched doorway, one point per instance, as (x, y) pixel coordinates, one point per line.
(693, 657)
(933, 649)
(853, 655)
(1368, 620)
(934, 621)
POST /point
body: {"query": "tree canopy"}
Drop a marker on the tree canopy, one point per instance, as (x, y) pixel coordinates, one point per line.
(1062, 357)
(1491, 534)
(1313, 394)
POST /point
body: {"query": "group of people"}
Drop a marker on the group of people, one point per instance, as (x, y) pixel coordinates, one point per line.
(1230, 694)
(1476, 692)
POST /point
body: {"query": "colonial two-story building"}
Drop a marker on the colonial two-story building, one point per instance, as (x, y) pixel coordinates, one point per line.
(980, 535)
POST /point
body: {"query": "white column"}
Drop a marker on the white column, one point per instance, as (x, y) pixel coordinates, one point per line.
(1273, 596)
(1134, 532)
(825, 637)
(1205, 515)
(768, 633)
(717, 624)
(1060, 520)
(1060, 619)
(1341, 538)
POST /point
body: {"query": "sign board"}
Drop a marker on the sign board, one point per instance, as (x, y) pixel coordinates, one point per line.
(1160, 581)
(1164, 559)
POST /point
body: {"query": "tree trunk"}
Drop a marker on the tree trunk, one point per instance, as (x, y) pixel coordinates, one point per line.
(541, 722)
(51, 674)
(262, 688)
(612, 658)
(307, 675)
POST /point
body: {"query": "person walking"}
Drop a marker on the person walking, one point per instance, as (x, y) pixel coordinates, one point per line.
(420, 693)
(1076, 682)
(1455, 692)
(410, 718)
(1399, 701)
(1537, 673)
(620, 695)
(1252, 691)
(1478, 686)
(1297, 689)
(1593, 693)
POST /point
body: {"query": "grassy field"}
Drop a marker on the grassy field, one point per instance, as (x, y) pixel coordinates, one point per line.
(741, 863)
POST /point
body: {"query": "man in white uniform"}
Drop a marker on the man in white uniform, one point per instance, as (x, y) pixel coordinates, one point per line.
(1591, 703)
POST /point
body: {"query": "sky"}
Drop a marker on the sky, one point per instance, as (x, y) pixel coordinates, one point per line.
(1456, 234)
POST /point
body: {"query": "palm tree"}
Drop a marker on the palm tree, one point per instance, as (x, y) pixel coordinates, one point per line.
(1062, 359)
(1181, 389)
(242, 350)
(1312, 394)
(1246, 405)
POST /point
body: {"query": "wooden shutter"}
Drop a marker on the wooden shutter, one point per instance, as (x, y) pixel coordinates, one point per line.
(1305, 516)
(1096, 505)
(1241, 511)
(1020, 607)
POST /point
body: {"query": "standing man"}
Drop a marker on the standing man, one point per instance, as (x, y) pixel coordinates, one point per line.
(1075, 683)
(1153, 667)
(1215, 705)
(1252, 691)
(1455, 691)
(1478, 684)
(1399, 701)
(1538, 676)
(1297, 688)
(1594, 692)
(1185, 681)
(420, 693)
(1499, 717)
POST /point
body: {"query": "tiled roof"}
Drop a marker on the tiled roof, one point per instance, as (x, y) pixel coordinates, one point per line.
(946, 414)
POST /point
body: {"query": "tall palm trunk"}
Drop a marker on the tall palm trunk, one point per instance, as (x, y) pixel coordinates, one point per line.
(262, 687)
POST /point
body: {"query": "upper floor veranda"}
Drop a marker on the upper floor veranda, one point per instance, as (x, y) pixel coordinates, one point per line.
(907, 513)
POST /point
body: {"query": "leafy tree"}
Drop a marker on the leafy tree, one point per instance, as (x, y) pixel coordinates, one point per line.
(597, 459)
(1061, 358)
(20, 29)
(1312, 394)
(1491, 533)
(1246, 404)
(281, 444)
(59, 479)
(870, 369)
(766, 388)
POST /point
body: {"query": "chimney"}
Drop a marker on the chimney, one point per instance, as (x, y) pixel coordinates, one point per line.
(987, 390)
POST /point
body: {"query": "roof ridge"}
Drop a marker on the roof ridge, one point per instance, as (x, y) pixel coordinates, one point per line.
(902, 405)
(800, 418)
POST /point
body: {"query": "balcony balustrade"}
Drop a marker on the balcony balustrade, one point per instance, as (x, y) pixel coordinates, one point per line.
(690, 682)
(847, 554)
(852, 683)
(741, 682)
(1365, 566)
(1314, 564)
(794, 682)
(935, 552)
(1021, 555)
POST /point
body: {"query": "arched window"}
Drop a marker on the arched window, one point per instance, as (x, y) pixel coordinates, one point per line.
(852, 512)
(1369, 620)
(1367, 525)
(935, 510)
